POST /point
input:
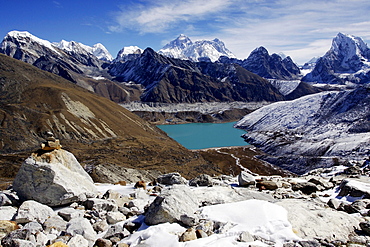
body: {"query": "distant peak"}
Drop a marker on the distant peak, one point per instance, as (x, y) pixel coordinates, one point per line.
(19, 33)
(182, 36)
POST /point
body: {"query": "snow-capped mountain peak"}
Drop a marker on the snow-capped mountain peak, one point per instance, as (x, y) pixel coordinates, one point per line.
(349, 46)
(97, 50)
(128, 53)
(347, 61)
(183, 48)
(25, 37)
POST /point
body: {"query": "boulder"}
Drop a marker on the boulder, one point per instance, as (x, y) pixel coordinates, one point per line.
(354, 188)
(171, 205)
(70, 213)
(100, 204)
(78, 241)
(7, 226)
(322, 182)
(7, 212)
(81, 226)
(306, 187)
(115, 217)
(246, 179)
(11, 238)
(267, 185)
(188, 235)
(312, 220)
(55, 223)
(171, 179)
(116, 231)
(365, 227)
(334, 203)
(245, 237)
(202, 180)
(100, 242)
(54, 178)
(8, 198)
(33, 211)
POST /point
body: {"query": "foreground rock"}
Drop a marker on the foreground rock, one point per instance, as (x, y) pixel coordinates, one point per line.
(171, 205)
(53, 178)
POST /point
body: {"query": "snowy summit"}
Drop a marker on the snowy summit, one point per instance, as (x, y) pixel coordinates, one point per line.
(183, 48)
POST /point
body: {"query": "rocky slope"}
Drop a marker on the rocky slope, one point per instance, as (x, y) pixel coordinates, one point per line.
(98, 131)
(73, 61)
(324, 208)
(318, 130)
(347, 61)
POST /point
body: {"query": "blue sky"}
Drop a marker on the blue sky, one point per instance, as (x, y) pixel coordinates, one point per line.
(299, 28)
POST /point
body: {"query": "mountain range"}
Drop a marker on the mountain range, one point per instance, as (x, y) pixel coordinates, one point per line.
(125, 78)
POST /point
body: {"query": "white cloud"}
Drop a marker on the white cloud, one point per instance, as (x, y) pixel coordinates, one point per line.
(158, 16)
(299, 28)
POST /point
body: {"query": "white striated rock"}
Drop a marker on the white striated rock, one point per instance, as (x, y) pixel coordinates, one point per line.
(33, 211)
(7, 212)
(78, 241)
(171, 179)
(81, 226)
(170, 205)
(246, 179)
(115, 217)
(54, 178)
(70, 213)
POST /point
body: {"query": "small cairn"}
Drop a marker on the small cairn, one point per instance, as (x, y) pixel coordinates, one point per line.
(51, 142)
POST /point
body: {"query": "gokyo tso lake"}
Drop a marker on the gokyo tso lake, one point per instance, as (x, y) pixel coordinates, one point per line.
(205, 135)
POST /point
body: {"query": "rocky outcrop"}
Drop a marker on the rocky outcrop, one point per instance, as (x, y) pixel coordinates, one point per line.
(268, 66)
(54, 178)
(171, 205)
(346, 61)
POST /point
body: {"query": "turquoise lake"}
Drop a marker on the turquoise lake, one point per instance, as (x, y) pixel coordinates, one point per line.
(205, 135)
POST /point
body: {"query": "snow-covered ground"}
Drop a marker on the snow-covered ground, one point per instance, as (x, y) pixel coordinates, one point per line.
(267, 219)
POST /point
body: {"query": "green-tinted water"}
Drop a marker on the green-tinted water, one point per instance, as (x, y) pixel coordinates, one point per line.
(205, 135)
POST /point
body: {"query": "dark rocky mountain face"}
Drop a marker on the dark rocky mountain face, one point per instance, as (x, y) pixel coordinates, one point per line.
(75, 65)
(268, 66)
(348, 60)
(174, 81)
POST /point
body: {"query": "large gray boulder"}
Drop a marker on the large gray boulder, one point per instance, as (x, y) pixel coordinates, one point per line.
(171, 179)
(171, 205)
(54, 178)
(312, 220)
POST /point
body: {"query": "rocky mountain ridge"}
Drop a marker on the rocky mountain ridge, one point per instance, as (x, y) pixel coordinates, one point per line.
(313, 131)
(347, 61)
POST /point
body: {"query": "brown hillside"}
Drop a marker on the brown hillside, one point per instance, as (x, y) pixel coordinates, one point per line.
(95, 129)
